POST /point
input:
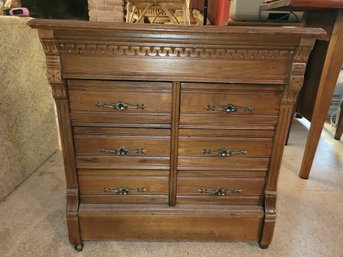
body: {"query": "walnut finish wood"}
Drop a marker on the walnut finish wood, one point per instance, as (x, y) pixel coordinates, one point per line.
(186, 133)
(264, 99)
(332, 65)
(155, 97)
(324, 70)
(122, 162)
(174, 144)
(92, 189)
(176, 72)
(59, 92)
(251, 188)
(195, 146)
(222, 163)
(225, 121)
(96, 184)
(179, 223)
(152, 145)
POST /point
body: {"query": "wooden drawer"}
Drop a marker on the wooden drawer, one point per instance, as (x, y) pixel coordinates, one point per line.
(230, 106)
(117, 103)
(123, 186)
(225, 147)
(121, 147)
(224, 150)
(223, 163)
(238, 191)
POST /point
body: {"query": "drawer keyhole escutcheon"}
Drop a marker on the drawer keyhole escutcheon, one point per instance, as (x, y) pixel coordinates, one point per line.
(124, 190)
(219, 191)
(230, 108)
(120, 106)
(224, 152)
(122, 150)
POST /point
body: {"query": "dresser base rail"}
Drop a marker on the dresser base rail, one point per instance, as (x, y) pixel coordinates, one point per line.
(217, 223)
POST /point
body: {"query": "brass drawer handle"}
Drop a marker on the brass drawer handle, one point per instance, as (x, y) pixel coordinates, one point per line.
(122, 150)
(124, 190)
(120, 106)
(230, 108)
(224, 152)
(219, 191)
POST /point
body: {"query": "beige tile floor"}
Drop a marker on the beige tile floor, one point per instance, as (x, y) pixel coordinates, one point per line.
(309, 223)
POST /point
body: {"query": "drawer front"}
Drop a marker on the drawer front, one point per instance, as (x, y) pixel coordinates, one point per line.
(120, 102)
(240, 191)
(214, 147)
(121, 147)
(230, 106)
(223, 163)
(127, 187)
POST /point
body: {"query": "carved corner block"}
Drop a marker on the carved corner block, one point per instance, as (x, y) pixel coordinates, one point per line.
(297, 72)
(50, 46)
(59, 90)
(302, 53)
(73, 218)
(269, 219)
(270, 205)
(54, 67)
(72, 200)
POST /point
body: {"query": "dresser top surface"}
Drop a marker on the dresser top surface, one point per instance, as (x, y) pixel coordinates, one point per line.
(50, 24)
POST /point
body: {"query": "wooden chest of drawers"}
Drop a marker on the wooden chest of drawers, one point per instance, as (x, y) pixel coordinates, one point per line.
(170, 132)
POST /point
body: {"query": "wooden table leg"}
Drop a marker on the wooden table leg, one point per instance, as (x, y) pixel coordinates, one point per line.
(332, 64)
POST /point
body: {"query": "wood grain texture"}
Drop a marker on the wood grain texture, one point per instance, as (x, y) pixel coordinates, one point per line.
(176, 72)
(75, 27)
(151, 145)
(222, 163)
(106, 222)
(251, 190)
(174, 144)
(85, 97)
(332, 65)
(288, 101)
(195, 146)
(264, 100)
(269, 219)
(106, 67)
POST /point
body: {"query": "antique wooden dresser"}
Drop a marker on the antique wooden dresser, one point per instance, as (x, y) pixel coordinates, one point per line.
(173, 132)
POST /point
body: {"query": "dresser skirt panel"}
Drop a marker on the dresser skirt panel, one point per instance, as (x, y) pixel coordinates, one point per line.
(165, 223)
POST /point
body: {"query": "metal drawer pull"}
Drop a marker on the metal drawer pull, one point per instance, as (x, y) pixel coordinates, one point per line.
(230, 108)
(219, 191)
(224, 152)
(120, 106)
(124, 190)
(121, 150)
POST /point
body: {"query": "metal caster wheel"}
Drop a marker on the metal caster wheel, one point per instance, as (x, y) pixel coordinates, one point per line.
(78, 247)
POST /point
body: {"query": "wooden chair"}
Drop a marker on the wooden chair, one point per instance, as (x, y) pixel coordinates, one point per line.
(157, 10)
